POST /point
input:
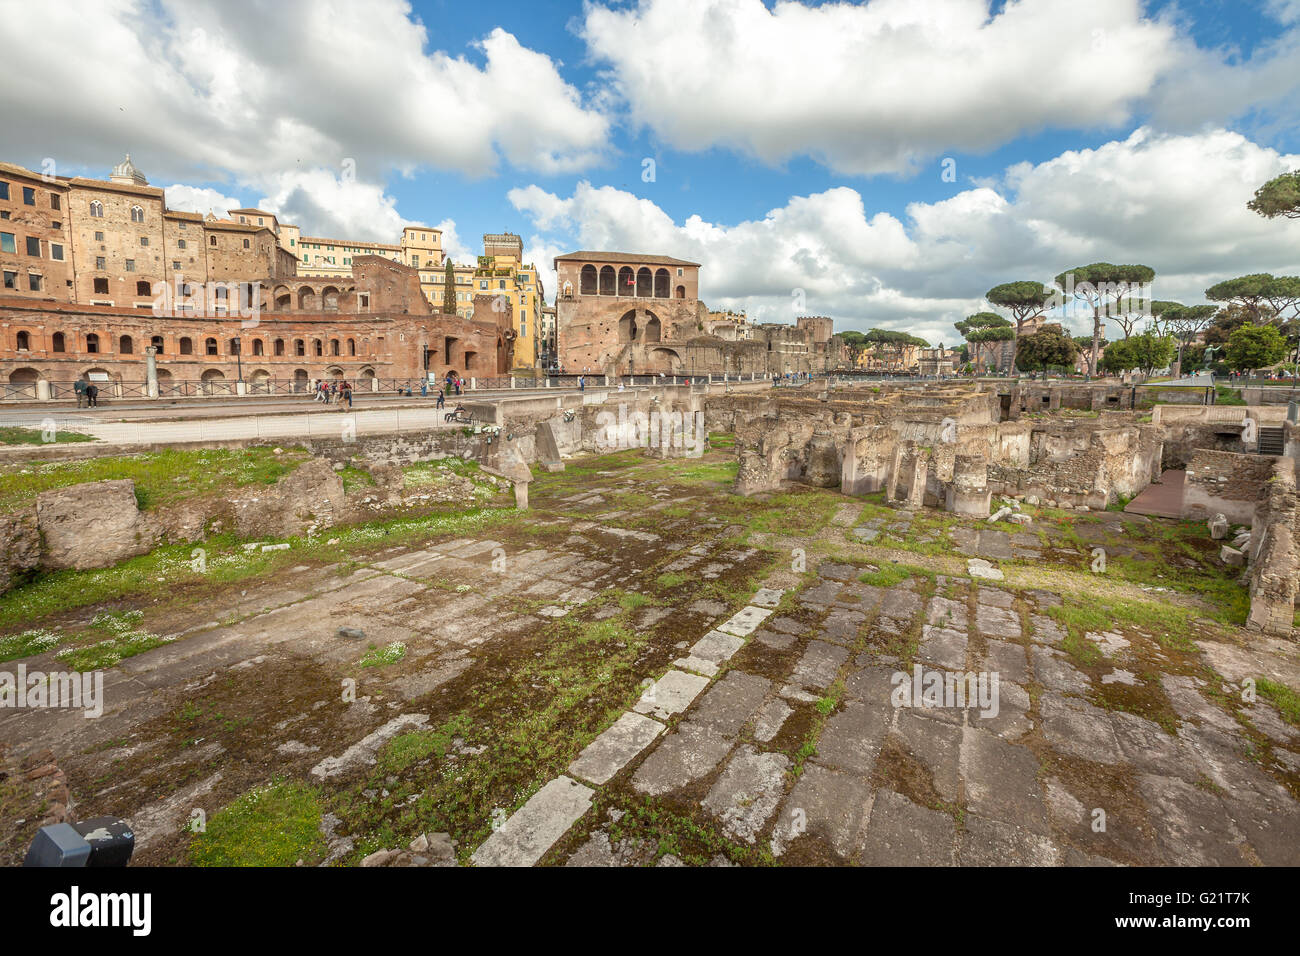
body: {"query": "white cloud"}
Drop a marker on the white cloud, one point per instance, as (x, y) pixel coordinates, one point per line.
(877, 88)
(201, 200)
(1176, 203)
(279, 97)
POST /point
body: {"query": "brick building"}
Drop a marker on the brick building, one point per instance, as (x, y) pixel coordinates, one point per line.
(621, 313)
(374, 328)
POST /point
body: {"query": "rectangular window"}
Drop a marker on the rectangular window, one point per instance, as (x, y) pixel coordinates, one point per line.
(180, 243)
(54, 201)
(7, 242)
(176, 266)
(34, 246)
(56, 252)
(99, 237)
(55, 224)
(29, 196)
(4, 190)
(11, 279)
(100, 263)
(130, 265)
(144, 240)
(33, 282)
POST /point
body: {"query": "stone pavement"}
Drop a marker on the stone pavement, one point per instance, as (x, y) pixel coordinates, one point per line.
(1046, 777)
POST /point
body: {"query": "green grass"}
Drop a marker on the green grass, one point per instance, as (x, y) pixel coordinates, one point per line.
(274, 825)
(670, 580)
(157, 575)
(1286, 700)
(383, 656)
(13, 435)
(1224, 395)
(161, 478)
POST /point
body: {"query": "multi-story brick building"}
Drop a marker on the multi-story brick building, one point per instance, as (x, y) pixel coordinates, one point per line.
(621, 313)
(376, 327)
(35, 237)
(115, 243)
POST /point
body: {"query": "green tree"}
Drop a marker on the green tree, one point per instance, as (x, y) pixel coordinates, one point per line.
(1151, 351)
(1119, 357)
(1278, 197)
(1025, 299)
(1266, 297)
(449, 289)
(1107, 289)
(1253, 347)
(1049, 347)
(982, 329)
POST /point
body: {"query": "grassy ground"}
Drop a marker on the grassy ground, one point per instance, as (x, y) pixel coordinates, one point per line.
(160, 478)
(13, 435)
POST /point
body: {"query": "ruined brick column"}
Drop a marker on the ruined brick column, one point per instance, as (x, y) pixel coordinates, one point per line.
(968, 492)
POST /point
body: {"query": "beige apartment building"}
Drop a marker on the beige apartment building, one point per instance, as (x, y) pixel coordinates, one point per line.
(499, 272)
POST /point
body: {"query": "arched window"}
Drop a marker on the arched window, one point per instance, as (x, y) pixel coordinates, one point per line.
(352, 346)
(320, 347)
(279, 346)
(210, 346)
(157, 343)
(661, 284)
(58, 343)
(643, 282)
(92, 342)
(299, 347)
(588, 280)
(607, 280)
(626, 281)
(187, 345)
(24, 341)
(233, 347)
(125, 346)
(334, 346)
(137, 214)
(97, 209)
(257, 347)
(212, 240)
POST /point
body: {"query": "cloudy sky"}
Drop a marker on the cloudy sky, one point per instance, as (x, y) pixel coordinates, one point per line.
(885, 163)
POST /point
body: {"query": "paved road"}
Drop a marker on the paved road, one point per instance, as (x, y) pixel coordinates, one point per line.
(199, 408)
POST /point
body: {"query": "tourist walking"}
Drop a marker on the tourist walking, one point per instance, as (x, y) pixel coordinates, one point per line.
(79, 386)
(92, 396)
(346, 393)
(442, 398)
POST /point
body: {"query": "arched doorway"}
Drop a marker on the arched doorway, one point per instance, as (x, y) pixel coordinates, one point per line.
(627, 327)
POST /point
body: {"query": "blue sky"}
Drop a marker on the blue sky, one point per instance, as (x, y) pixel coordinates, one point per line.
(798, 148)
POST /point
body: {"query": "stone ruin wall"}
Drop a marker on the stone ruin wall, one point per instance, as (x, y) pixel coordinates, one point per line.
(1227, 483)
(1274, 560)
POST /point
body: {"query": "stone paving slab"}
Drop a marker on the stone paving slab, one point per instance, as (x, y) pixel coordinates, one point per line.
(936, 746)
(533, 829)
(988, 842)
(1052, 670)
(943, 646)
(684, 756)
(615, 748)
(771, 717)
(851, 738)
(1192, 825)
(819, 665)
(946, 613)
(824, 803)
(997, 621)
(730, 703)
(745, 621)
(901, 833)
(747, 792)
(1002, 780)
(670, 694)
(767, 597)
(716, 646)
(1076, 727)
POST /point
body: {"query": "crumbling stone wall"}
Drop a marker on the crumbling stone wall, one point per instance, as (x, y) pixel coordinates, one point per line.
(1227, 483)
(92, 525)
(1275, 561)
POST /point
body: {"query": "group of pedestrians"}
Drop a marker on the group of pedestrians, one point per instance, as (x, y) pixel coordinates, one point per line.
(336, 392)
(87, 393)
